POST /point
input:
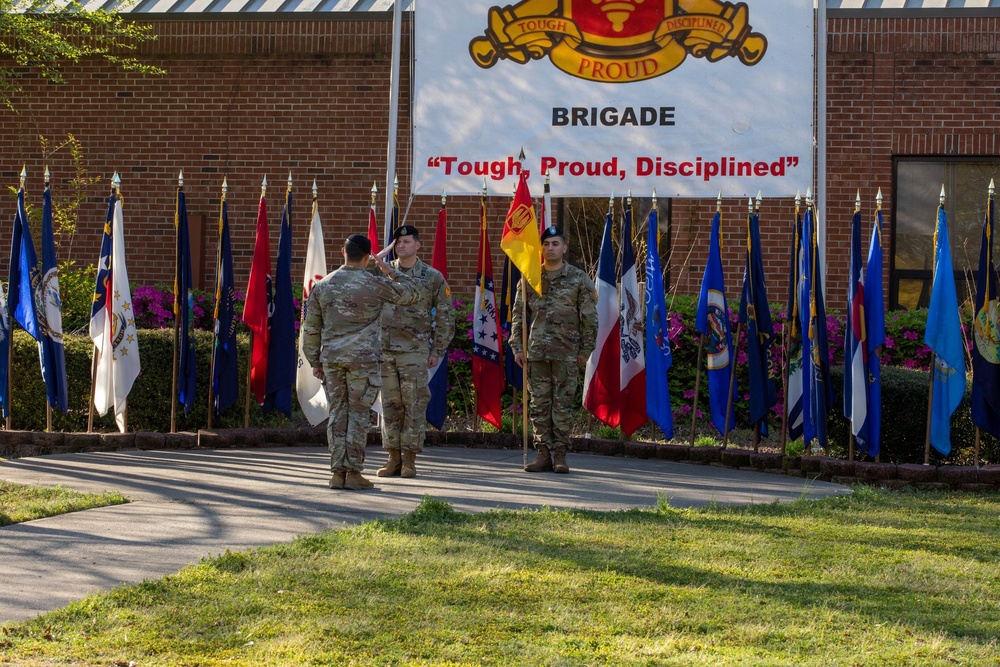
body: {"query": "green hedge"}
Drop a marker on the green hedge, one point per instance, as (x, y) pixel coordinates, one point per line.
(149, 400)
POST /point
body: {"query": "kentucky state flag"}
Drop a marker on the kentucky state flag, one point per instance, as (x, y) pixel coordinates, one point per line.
(986, 333)
(658, 355)
(712, 321)
(755, 314)
(944, 335)
(53, 353)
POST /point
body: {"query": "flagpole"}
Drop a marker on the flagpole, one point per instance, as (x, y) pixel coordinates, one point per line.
(986, 282)
(177, 296)
(218, 294)
(93, 359)
(701, 351)
(48, 406)
(736, 341)
(118, 195)
(878, 229)
(524, 344)
(390, 158)
(930, 391)
(10, 355)
(851, 440)
(246, 405)
(756, 428)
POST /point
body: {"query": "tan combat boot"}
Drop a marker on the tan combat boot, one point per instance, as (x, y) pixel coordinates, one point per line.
(355, 482)
(392, 466)
(542, 462)
(559, 460)
(337, 480)
(409, 466)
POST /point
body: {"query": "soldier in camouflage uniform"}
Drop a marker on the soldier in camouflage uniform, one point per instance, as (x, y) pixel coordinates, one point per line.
(341, 339)
(562, 334)
(414, 337)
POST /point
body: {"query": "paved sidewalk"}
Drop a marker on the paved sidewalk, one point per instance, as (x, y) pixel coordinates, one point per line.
(194, 503)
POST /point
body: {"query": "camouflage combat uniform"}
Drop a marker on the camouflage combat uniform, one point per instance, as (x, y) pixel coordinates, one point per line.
(563, 328)
(409, 335)
(342, 333)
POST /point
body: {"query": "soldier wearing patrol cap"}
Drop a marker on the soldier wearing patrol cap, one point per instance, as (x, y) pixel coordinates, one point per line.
(414, 337)
(341, 339)
(562, 334)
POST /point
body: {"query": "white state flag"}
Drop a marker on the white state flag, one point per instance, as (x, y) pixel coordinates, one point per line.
(114, 334)
(312, 395)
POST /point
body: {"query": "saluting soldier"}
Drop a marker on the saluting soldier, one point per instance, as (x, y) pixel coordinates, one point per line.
(341, 339)
(414, 337)
(562, 334)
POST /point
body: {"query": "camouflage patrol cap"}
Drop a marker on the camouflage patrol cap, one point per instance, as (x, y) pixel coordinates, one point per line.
(359, 242)
(406, 230)
(551, 231)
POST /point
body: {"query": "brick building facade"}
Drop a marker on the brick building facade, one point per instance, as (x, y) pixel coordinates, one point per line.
(252, 95)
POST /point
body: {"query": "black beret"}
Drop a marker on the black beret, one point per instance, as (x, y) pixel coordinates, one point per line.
(551, 231)
(406, 230)
(360, 242)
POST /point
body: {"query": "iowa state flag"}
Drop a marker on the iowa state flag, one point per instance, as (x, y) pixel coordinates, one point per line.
(437, 377)
(53, 353)
(755, 314)
(184, 306)
(658, 356)
(258, 304)
(282, 357)
(487, 367)
(944, 335)
(602, 381)
(521, 241)
(986, 333)
(632, 371)
(225, 370)
(712, 321)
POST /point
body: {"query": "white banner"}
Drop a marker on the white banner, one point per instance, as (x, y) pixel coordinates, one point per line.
(690, 97)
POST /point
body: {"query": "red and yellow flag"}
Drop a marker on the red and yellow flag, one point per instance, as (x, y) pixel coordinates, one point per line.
(521, 241)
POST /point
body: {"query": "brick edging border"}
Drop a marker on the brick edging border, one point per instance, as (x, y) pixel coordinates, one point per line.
(18, 444)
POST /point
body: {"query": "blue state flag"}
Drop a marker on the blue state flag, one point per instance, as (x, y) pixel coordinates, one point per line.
(24, 273)
(986, 335)
(53, 353)
(184, 307)
(282, 358)
(875, 334)
(712, 321)
(225, 371)
(944, 335)
(817, 390)
(793, 334)
(658, 353)
(755, 314)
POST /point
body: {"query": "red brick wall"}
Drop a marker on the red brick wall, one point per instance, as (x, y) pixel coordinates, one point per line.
(248, 99)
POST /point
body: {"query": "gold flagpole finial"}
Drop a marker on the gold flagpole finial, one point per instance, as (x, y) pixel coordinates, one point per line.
(315, 190)
(374, 192)
(749, 205)
(180, 179)
(225, 186)
(941, 198)
(395, 185)
(798, 199)
(718, 202)
(857, 202)
(484, 187)
(24, 175)
(444, 195)
(759, 200)
(48, 176)
(263, 188)
(878, 199)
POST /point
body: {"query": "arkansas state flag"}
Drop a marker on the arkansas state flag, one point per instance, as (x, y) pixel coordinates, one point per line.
(258, 305)
(602, 382)
(521, 240)
(437, 377)
(633, 360)
(487, 368)
(308, 387)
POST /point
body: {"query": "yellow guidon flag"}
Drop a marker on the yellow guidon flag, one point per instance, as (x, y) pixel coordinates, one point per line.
(521, 241)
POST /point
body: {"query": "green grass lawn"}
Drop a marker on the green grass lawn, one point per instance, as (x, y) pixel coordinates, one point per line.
(20, 503)
(877, 578)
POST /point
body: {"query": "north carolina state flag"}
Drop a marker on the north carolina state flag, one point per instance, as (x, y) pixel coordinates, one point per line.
(521, 241)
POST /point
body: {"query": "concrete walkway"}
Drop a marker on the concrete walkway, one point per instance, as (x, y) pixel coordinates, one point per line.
(195, 503)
